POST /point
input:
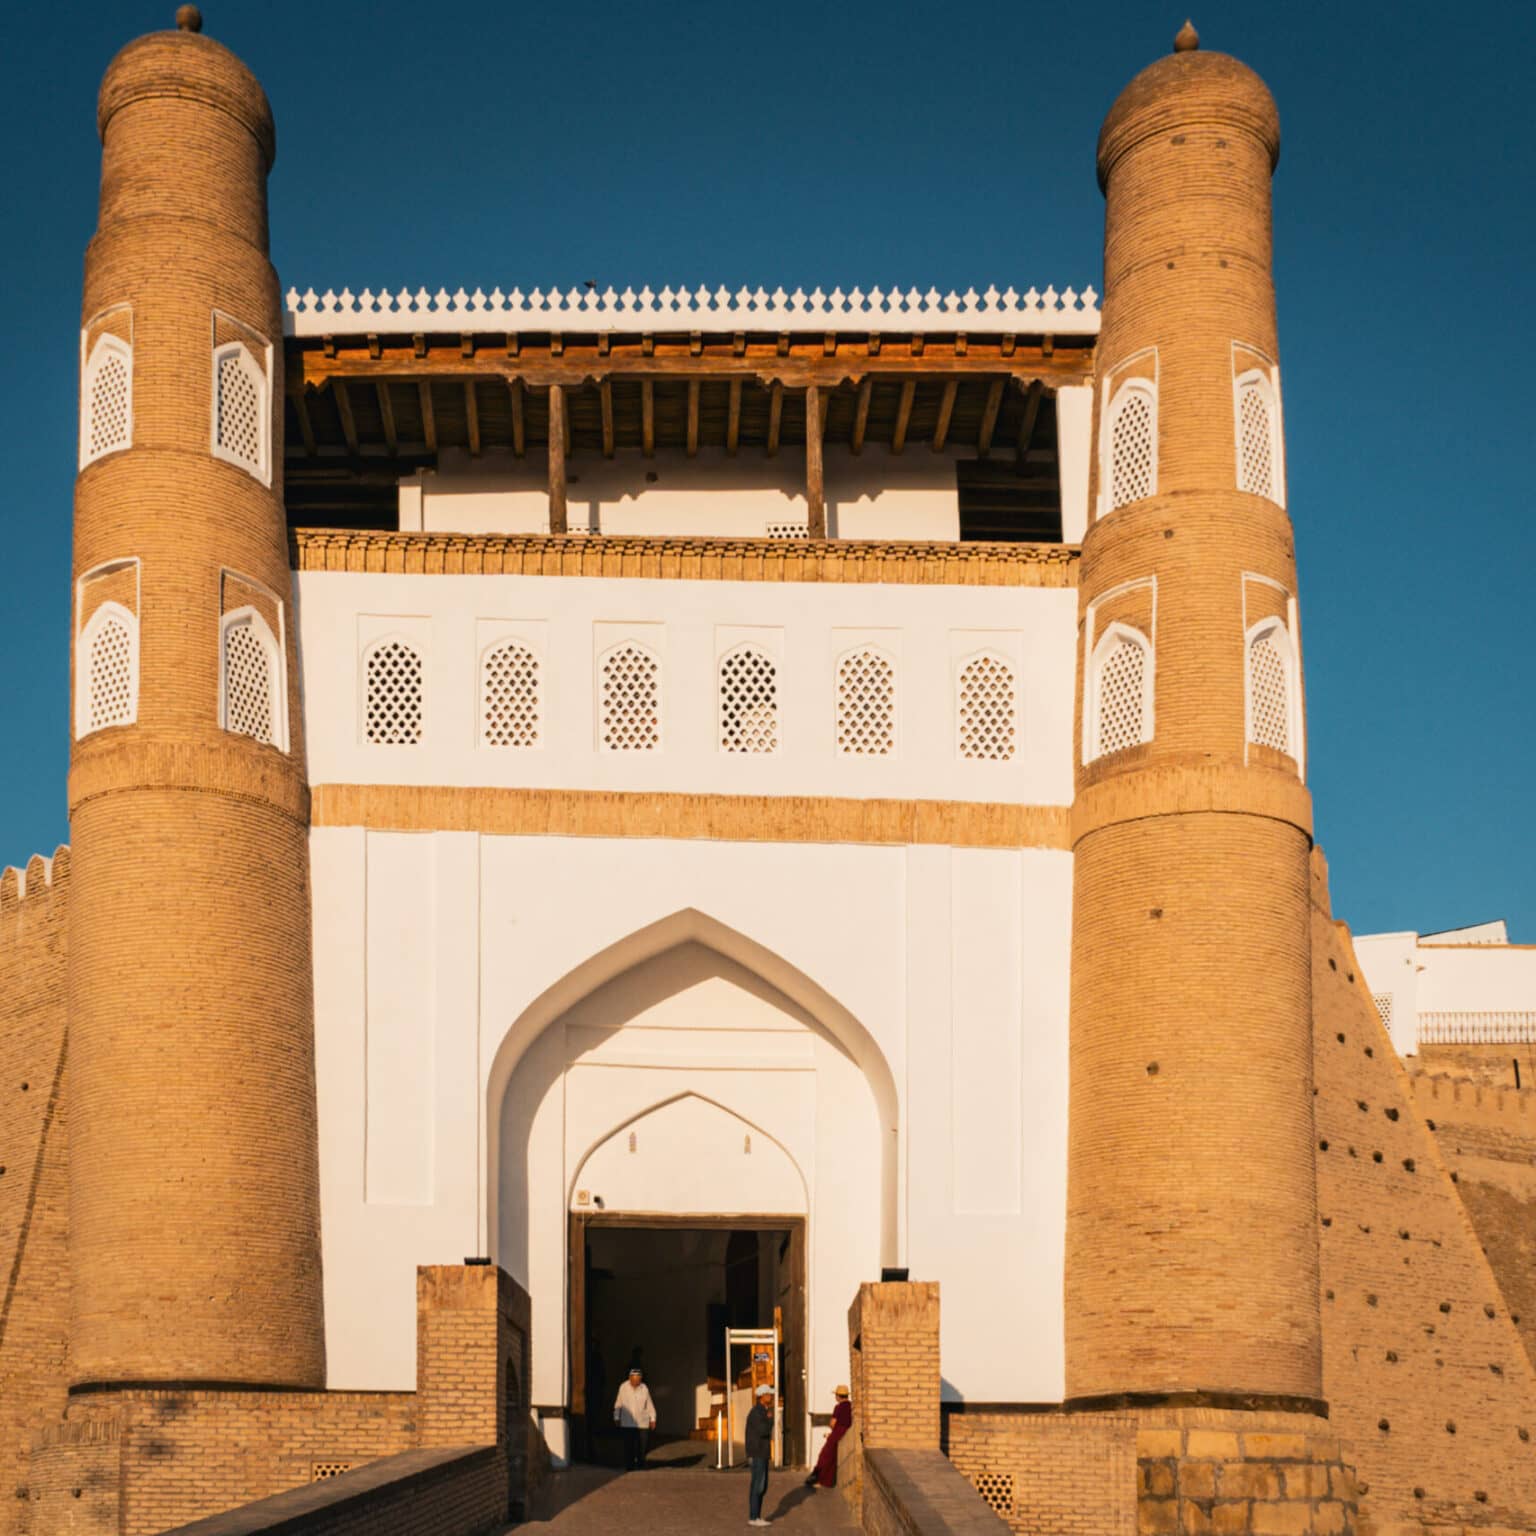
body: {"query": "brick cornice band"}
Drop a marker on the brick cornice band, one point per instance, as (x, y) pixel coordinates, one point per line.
(1170, 791)
(721, 818)
(687, 559)
(240, 770)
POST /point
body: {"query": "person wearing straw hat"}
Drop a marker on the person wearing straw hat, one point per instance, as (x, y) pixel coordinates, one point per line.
(759, 1436)
(824, 1473)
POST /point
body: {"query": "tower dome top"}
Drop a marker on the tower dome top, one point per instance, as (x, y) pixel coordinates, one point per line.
(1189, 88)
(187, 66)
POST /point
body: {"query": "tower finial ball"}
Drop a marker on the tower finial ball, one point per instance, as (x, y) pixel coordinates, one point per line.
(189, 18)
(1187, 40)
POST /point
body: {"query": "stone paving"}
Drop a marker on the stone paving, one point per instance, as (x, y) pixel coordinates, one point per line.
(594, 1501)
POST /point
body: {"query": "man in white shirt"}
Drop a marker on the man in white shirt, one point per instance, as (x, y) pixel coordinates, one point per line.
(635, 1415)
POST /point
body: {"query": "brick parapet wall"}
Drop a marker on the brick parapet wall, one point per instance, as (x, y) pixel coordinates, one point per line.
(1429, 1384)
(34, 1165)
(893, 1333)
(155, 1458)
(912, 1492)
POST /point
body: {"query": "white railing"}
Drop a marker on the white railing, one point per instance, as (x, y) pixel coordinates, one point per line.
(699, 309)
(1496, 1027)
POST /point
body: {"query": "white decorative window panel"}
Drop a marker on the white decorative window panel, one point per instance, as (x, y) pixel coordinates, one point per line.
(987, 710)
(1273, 717)
(510, 700)
(629, 699)
(749, 702)
(1120, 684)
(1128, 464)
(107, 670)
(800, 530)
(1260, 453)
(1383, 1001)
(866, 704)
(252, 679)
(106, 399)
(394, 694)
(241, 414)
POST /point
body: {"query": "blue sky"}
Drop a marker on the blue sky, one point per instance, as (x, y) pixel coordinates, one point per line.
(489, 143)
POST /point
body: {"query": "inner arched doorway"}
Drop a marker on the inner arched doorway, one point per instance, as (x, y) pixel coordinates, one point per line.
(686, 1085)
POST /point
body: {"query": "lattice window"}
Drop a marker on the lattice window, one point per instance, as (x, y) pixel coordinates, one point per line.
(789, 530)
(107, 670)
(866, 704)
(319, 1471)
(749, 702)
(509, 696)
(240, 409)
(1383, 1001)
(987, 710)
(630, 689)
(1121, 713)
(251, 700)
(106, 400)
(997, 1489)
(1269, 689)
(395, 695)
(1257, 449)
(1130, 464)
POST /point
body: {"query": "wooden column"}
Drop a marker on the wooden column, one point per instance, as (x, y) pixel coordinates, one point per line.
(815, 494)
(557, 521)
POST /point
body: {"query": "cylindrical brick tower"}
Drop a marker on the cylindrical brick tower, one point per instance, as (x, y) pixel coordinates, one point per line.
(194, 1208)
(1191, 1240)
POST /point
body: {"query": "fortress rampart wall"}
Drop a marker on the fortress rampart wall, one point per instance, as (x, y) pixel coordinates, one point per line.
(1426, 1376)
(34, 1163)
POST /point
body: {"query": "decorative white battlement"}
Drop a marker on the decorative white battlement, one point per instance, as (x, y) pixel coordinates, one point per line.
(698, 309)
(1513, 1026)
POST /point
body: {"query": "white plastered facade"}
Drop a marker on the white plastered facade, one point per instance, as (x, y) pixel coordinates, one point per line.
(497, 1014)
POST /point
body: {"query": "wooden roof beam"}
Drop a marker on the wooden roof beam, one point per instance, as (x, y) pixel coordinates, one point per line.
(989, 418)
(472, 417)
(387, 416)
(946, 411)
(428, 415)
(903, 415)
(1033, 394)
(860, 417)
(344, 410)
(519, 421)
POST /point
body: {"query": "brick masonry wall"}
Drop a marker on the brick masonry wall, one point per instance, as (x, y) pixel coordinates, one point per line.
(1487, 1137)
(1428, 1382)
(34, 1166)
(1050, 1474)
(893, 1333)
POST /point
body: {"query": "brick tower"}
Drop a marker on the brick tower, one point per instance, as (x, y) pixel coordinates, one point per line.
(194, 1217)
(1191, 1244)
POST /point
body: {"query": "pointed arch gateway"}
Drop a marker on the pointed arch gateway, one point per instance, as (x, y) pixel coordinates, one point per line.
(591, 1127)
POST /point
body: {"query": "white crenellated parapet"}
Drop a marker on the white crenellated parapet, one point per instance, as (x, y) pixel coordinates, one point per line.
(585, 309)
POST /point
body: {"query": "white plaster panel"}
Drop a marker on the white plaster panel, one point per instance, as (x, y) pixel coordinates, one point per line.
(401, 1016)
(446, 617)
(985, 1022)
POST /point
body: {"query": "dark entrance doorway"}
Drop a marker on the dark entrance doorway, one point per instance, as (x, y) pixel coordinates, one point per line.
(661, 1290)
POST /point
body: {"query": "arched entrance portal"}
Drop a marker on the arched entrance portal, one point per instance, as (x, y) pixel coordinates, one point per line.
(688, 1130)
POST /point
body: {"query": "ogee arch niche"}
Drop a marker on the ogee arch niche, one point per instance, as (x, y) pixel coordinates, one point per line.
(678, 1087)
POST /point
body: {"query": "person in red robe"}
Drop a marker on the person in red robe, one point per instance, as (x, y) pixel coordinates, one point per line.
(824, 1473)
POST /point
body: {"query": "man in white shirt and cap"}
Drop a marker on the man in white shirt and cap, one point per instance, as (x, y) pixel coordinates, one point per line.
(635, 1415)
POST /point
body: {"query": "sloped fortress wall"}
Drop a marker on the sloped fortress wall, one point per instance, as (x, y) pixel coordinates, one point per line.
(1487, 1137)
(34, 1165)
(1426, 1376)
